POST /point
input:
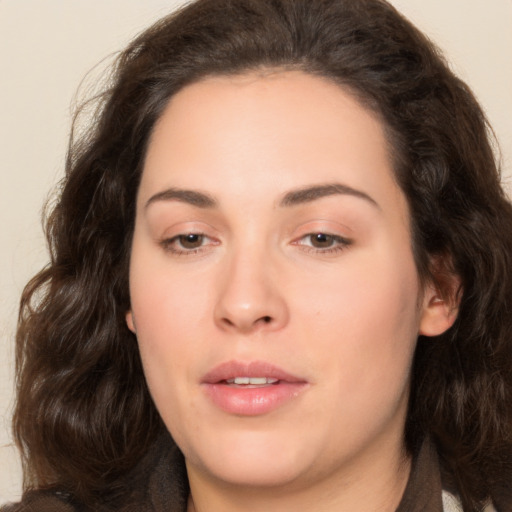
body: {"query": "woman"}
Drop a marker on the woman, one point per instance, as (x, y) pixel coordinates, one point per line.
(280, 277)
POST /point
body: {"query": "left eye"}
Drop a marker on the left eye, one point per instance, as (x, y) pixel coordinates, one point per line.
(323, 241)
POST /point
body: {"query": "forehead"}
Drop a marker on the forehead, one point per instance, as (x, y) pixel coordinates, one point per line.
(229, 132)
(277, 97)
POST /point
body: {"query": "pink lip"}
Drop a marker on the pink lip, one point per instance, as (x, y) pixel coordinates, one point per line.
(247, 400)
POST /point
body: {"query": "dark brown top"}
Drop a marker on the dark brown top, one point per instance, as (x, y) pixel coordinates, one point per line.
(159, 484)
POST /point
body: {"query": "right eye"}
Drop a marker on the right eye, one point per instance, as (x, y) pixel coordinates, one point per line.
(190, 240)
(187, 243)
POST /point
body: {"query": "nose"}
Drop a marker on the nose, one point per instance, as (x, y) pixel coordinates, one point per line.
(249, 296)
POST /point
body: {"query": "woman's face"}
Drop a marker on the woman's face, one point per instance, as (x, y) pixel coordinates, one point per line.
(273, 288)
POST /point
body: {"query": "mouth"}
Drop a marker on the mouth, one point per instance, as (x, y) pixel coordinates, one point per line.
(252, 382)
(251, 389)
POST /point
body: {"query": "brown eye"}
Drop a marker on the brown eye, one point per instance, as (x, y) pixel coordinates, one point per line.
(321, 240)
(191, 241)
(323, 243)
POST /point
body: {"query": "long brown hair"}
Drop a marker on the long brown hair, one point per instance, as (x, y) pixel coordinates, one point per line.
(84, 416)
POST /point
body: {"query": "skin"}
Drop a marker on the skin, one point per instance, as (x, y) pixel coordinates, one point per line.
(343, 314)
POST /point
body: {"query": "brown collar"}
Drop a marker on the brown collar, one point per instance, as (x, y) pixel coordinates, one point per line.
(423, 492)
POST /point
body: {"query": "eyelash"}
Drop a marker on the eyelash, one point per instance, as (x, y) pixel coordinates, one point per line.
(339, 244)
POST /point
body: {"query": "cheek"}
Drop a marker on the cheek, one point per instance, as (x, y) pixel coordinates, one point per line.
(166, 324)
(168, 312)
(167, 303)
(365, 321)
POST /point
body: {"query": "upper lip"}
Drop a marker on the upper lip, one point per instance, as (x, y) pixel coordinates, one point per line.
(232, 369)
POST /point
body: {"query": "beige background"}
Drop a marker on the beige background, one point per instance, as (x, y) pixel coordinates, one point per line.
(47, 47)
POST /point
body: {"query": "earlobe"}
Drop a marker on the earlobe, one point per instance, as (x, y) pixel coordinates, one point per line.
(438, 313)
(130, 321)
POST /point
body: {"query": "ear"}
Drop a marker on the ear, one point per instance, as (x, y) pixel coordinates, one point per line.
(130, 321)
(440, 309)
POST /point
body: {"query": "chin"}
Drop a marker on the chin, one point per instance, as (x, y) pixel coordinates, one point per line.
(260, 473)
(249, 459)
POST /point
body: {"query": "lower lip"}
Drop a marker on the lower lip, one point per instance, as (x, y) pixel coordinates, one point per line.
(253, 401)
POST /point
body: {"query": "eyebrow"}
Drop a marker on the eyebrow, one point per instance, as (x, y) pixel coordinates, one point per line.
(309, 194)
(292, 198)
(192, 197)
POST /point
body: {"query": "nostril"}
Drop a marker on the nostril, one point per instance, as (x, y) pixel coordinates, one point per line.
(247, 323)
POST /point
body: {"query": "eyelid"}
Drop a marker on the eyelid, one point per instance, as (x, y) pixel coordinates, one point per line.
(301, 237)
(169, 228)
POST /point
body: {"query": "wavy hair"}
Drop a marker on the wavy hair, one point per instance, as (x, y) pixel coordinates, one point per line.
(84, 416)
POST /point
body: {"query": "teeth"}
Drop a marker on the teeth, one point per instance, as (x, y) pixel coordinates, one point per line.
(254, 381)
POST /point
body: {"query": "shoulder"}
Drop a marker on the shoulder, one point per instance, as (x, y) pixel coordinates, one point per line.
(39, 501)
(157, 483)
